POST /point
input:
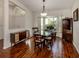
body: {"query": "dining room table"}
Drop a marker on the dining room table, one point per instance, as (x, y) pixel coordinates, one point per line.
(45, 35)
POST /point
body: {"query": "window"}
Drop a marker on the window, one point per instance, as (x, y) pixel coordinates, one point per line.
(51, 21)
(42, 25)
(54, 21)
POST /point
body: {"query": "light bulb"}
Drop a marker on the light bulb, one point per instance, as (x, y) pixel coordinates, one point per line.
(44, 14)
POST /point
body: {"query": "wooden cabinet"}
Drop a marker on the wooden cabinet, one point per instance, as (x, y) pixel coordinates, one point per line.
(22, 35)
(18, 37)
(69, 36)
(12, 38)
(67, 33)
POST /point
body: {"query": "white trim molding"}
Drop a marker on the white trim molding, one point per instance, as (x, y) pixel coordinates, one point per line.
(76, 47)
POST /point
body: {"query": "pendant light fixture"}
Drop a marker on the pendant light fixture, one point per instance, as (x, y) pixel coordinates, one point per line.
(43, 11)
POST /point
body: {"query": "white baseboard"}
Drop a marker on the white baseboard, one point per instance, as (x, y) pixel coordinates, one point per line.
(76, 47)
(5, 45)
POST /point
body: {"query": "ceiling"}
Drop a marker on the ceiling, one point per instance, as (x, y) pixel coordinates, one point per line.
(36, 5)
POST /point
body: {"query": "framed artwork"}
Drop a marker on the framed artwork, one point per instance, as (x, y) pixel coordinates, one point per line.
(75, 15)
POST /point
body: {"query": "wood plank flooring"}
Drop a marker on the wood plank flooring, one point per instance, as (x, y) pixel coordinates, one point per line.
(60, 49)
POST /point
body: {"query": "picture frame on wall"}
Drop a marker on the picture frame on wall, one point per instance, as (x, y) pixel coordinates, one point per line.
(75, 15)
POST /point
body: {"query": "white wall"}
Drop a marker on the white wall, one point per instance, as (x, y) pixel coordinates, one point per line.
(59, 27)
(11, 17)
(6, 25)
(58, 13)
(1, 19)
(29, 23)
(76, 27)
(64, 12)
(17, 17)
(28, 16)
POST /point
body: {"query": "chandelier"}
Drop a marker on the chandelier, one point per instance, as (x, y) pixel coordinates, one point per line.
(43, 11)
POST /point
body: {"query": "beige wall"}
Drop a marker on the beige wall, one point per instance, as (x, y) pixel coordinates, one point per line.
(76, 27)
(1, 19)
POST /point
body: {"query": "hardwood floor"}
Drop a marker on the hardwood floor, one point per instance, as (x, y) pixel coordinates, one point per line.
(26, 50)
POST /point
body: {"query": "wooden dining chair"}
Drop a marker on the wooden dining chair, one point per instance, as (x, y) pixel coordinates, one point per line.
(53, 36)
(38, 41)
(49, 41)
